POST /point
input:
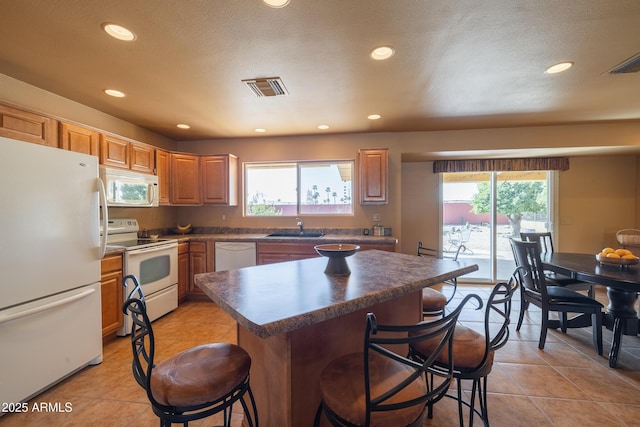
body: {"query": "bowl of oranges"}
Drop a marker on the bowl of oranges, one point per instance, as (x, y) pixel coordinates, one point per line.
(622, 257)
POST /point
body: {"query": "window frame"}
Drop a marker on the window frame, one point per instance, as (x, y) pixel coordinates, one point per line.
(299, 165)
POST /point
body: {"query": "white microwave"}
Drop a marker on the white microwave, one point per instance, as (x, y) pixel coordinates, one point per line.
(127, 188)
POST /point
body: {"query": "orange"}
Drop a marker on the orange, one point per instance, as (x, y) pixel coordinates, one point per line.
(628, 256)
(607, 250)
(622, 252)
(613, 255)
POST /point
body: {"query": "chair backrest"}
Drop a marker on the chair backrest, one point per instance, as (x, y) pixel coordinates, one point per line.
(142, 339)
(381, 338)
(436, 253)
(529, 271)
(543, 239)
(465, 234)
(498, 307)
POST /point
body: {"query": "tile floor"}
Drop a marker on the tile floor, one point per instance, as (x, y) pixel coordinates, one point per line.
(567, 384)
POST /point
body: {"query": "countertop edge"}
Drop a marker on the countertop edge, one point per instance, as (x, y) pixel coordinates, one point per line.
(289, 324)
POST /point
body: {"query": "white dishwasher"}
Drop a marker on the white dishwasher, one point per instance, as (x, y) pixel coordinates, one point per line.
(229, 255)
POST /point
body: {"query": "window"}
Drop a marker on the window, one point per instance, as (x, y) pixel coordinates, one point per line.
(299, 188)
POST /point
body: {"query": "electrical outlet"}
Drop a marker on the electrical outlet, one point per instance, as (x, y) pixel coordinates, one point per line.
(376, 217)
(224, 217)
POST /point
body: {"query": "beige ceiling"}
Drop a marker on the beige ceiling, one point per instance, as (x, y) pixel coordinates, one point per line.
(458, 64)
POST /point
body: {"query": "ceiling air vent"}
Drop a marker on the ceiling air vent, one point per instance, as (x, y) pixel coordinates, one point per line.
(631, 65)
(271, 86)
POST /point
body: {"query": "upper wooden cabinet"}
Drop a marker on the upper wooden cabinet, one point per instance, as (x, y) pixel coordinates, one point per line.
(29, 127)
(164, 180)
(142, 158)
(219, 179)
(185, 179)
(79, 139)
(374, 173)
(120, 153)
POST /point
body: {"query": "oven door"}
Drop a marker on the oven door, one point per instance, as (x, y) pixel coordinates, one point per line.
(156, 268)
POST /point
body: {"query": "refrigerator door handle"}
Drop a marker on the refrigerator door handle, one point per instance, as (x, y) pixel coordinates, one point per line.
(105, 218)
(4, 318)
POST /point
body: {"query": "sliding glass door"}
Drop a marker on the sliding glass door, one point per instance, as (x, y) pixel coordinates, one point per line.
(482, 210)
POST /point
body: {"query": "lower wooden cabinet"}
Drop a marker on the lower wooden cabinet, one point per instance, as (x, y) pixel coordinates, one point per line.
(200, 261)
(269, 253)
(183, 270)
(111, 291)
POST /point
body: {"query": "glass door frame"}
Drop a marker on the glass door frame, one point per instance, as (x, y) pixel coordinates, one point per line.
(552, 211)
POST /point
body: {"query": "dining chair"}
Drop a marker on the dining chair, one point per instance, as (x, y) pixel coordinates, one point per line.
(382, 386)
(535, 289)
(473, 351)
(434, 301)
(191, 385)
(545, 241)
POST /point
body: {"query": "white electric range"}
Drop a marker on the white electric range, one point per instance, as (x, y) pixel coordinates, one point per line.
(153, 262)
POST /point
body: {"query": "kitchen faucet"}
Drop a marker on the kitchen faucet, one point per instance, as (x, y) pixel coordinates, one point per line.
(300, 224)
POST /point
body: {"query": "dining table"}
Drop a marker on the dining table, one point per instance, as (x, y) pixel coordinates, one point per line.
(293, 318)
(621, 281)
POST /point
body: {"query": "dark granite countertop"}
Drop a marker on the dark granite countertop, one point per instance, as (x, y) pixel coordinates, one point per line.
(277, 298)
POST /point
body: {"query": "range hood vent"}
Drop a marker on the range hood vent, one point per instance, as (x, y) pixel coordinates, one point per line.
(631, 65)
(271, 86)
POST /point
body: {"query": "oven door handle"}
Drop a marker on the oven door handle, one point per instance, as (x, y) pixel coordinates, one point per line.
(105, 217)
(156, 248)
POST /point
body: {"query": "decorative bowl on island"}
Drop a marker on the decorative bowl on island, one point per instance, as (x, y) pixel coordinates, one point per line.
(337, 254)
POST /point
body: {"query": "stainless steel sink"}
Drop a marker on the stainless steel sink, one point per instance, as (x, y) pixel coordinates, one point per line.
(296, 235)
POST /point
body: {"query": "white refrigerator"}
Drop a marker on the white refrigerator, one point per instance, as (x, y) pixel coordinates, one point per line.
(50, 249)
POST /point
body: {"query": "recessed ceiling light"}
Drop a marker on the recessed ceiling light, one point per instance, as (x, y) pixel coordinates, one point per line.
(260, 130)
(558, 68)
(323, 127)
(114, 93)
(382, 52)
(276, 3)
(118, 32)
(374, 116)
(183, 126)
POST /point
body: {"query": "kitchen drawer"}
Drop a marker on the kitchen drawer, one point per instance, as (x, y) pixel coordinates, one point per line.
(110, 264)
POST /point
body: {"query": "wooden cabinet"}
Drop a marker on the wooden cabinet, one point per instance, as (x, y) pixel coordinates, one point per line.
(219, 179)
(79, 139)
(374, 175)
(114, 152)
(201, 260)
(183, 270)
(124, 154)
(29, 127)
(111, 292)
(164, 180)
(185, 179)
(142, 158)
(269, 253)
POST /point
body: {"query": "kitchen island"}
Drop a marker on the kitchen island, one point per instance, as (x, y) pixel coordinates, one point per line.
(293, 319)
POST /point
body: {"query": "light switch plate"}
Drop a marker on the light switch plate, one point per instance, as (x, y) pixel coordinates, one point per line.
(376, 217)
